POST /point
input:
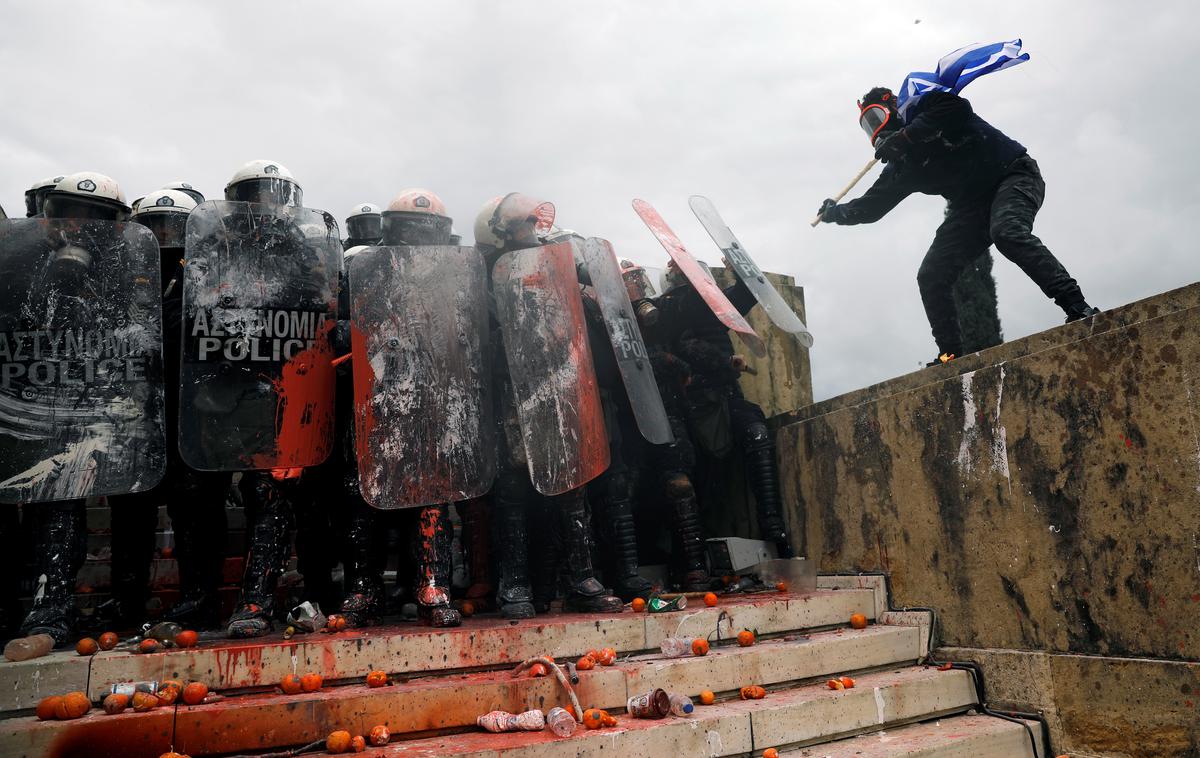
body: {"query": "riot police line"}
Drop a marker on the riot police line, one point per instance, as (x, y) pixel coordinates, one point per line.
(533, 382)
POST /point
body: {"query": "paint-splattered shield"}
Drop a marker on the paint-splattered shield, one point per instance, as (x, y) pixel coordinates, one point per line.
(621, 324)
(259, 303)
(554, 381)
(708, 288)
(748, 271)
(424, 425)
(81, 367)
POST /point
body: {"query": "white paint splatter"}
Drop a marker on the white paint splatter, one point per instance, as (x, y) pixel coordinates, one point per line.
(970, 428)
(1000, 436)
(879, 710)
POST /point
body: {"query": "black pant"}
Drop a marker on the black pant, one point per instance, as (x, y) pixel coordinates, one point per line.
(1005, 219)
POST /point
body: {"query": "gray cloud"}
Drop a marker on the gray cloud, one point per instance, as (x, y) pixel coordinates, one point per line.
(590, 105)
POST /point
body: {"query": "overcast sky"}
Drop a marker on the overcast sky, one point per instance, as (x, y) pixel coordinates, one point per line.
(592, 104)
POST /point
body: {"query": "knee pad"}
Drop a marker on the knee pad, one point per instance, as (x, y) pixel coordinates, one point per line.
(756, 437)
(678, 486)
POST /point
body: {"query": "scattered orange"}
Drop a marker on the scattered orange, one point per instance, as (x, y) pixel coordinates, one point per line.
(468, 608)
(311, 682)
(538, 669)
(186, 638)
(173, 754)
(699, 646)
(707, 697)
(144, 701)
(72, 706)
(594, 654)
(357, 744)
(569, 709)
(336, 623)
(782, 587)
(87, 646)
(291, 685)
(586, 663)
(608, 656)
(379, 735)
(338, 742)
(607, 719)
(114, 704)
(710, 599)
(47, 707)
(639, 604)
(858, 621)
(835, 684)
(847, 682)
(745, 638)
(108, 640)
(593, 718)
(770, 753)
(377, 679)
(753, 692)
(149, 646)
(195, 692)
(169, 691)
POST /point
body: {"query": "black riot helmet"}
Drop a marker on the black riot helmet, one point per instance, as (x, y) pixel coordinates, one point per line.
(877, 113)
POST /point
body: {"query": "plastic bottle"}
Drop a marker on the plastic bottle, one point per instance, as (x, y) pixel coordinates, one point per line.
(24, 648)
(675, 647)
(681, 705)
(654, 704)
(560, 722)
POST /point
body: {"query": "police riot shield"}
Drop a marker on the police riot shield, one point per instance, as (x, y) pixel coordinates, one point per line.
(554, 381)
(259, 305)
(424, 421)
(621, 324)
(748, 271)
(699, 278)
(81, 365)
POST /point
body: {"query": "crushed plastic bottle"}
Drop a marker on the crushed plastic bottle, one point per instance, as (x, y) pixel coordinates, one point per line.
(681, 705)
(560, 722)
(675, 647)
(25, 648)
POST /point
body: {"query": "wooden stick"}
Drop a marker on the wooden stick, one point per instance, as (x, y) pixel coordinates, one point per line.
(850, 186)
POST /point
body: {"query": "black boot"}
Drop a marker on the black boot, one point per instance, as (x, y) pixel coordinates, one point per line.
(61, 547)
(270, 522)
(198, 519)
(514, 594)
(1078, 311)
(688, 535)
(363, 564)
(434, 536)
(585, 593)
(545, 561)
(618, 526)
(763, 473)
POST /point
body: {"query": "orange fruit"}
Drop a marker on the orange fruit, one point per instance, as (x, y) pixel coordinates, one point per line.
(291, 685)
(468, 608)
(108, 640)
(149, 646)
(745, 638)
(186, 638)
(782, 587)
(707, 697)
(144, 701)
(586, 663)
(311, 682)
(606, 719)
(538, 669)
(770, 753)
(699, 646)
(858, 621)
(710, 599)
(847, 682)
(379, 735)
(752, 692)
(593, 718)
(639, 604)
(569, 709)
(72, 706)
(47, 707)
(87, 646)
(357, 744)
(835, 684)
(114, 704)
(608, 656)
(173, 754)
(195, 692)
(377, 679)
(338, 742)
(169, 691)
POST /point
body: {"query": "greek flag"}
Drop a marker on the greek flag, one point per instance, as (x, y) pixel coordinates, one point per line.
(958, 69)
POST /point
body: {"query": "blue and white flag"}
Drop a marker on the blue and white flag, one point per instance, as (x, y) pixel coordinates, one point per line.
(958, 69)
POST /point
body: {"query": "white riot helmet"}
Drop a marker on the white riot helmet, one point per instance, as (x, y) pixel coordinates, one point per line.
(353, 251)
(86, 194)
(674, 277)
(266, 182)
(416, 217)
(512, 220)
(186, 189)
(165, 213)
(35, 196)
(364, 222)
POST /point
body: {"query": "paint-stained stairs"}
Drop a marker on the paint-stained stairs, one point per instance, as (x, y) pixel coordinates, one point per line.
(441, 680)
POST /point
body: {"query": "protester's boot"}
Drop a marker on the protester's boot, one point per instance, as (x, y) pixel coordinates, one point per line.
(585, 593)
(435, 535)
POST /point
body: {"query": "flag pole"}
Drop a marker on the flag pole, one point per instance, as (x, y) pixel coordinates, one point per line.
(850, 186)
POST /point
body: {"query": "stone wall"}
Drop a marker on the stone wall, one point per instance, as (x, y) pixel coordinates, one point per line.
(1043, 495)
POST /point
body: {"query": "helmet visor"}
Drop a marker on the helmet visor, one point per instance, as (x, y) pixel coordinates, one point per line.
(872, 119)
(168, 228)
(69, 205)
(368, 226)
(268, 191)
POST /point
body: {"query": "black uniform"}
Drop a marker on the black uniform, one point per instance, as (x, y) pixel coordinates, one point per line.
(994, 190)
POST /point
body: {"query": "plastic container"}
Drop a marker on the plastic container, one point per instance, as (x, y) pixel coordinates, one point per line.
(654, 704)
(658, 605)
(503, 721)
(25, 648)
(560, 722)
(675, 647)
(681, 705)
(129, 688)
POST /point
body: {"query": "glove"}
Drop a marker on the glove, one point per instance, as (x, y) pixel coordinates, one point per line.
(889, 147)
(827, 206)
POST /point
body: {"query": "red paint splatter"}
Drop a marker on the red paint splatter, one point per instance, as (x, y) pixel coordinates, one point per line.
(364, 383)
(304, 413)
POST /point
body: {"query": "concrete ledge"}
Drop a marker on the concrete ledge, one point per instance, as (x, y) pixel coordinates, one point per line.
(958, 737)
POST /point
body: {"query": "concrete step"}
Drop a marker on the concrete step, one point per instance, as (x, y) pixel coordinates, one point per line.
(966, 736)
(482, 642)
